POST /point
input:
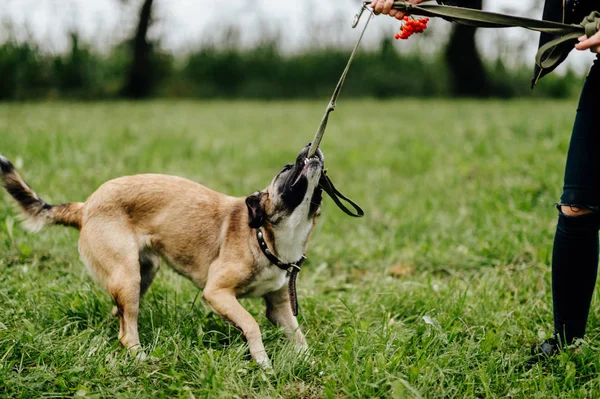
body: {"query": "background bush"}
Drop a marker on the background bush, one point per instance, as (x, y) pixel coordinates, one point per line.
(261, 72)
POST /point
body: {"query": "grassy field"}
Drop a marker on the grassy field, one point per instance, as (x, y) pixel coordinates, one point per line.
(437, 293)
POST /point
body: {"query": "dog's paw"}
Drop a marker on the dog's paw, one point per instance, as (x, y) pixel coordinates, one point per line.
(137, 353)
(141, 356)
(115, 311)
(264, 363)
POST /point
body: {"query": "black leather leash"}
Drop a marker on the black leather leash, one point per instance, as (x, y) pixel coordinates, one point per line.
(292, 268)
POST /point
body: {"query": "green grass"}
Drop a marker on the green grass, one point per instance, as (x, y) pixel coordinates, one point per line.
(437, 293)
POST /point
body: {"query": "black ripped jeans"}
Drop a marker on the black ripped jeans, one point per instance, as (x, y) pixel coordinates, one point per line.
(575, 252)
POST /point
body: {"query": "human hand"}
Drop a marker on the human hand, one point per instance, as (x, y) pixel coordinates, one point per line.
(385, 7)
(592, 43)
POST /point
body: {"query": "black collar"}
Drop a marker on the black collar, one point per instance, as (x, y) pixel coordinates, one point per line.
(260, 237)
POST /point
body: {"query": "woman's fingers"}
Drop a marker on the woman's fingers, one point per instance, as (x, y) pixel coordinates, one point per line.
(382, 6)
(592, 42)
(387, 6)
(584, 44)
(377, 6)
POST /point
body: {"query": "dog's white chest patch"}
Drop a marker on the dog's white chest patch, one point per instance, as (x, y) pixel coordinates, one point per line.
(270, 279)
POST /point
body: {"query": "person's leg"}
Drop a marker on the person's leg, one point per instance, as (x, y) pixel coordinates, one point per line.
(575, 251)
(574, 270)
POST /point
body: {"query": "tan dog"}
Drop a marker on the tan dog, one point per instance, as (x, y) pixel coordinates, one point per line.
(131, 222)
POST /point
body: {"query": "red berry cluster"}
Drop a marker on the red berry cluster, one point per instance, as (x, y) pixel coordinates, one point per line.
(410, 26)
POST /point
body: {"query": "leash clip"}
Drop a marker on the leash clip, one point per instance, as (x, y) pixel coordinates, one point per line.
(293, 267)
(296, 265)
(360, 13)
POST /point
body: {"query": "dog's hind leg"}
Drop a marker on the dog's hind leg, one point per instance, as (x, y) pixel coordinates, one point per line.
(279, 312)
(149, 265)
(111, 252)
(126, 295)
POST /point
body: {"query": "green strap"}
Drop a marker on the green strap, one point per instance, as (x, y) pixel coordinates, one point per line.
(548, 55)
(327, 186)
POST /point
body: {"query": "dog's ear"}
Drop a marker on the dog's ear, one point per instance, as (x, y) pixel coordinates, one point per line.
(256, 211)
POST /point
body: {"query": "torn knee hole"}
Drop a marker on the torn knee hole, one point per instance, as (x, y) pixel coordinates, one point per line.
(574, 210)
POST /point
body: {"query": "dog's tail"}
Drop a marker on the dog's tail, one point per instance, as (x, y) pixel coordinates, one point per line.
(36, 211)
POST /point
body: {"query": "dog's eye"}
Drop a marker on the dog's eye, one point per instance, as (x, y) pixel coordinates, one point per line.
(287, 167)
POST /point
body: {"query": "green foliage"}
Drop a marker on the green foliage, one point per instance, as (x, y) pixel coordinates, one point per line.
(517, 83)
(437, 293)
(27, 72)
(262, 72)
(23, 69)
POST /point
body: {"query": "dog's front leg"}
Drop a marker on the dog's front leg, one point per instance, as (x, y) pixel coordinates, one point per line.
(226, 305)
(279, 312)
